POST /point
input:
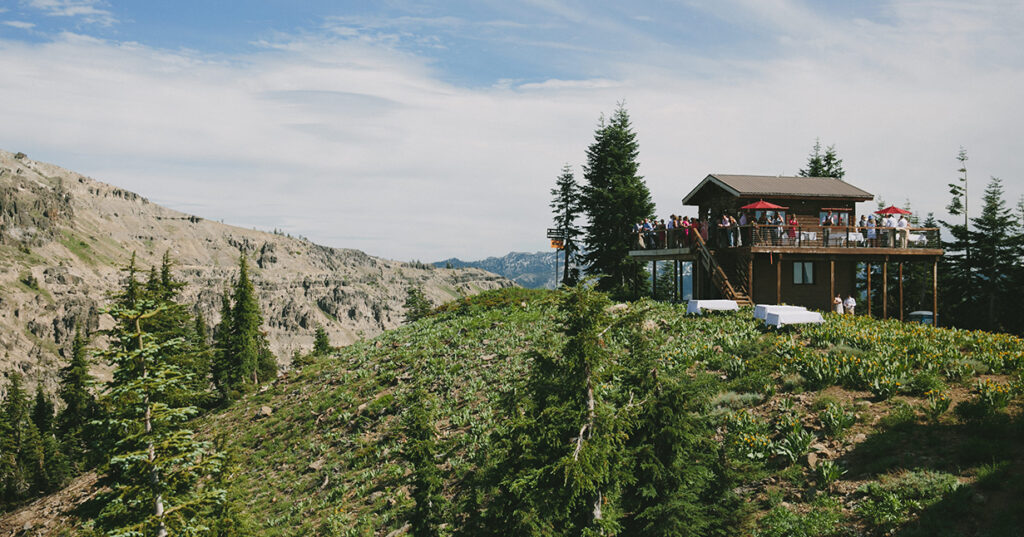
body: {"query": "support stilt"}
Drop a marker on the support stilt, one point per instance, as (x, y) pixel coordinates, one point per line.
(935, 292)
(778, 281)
(901, 291)
(831, 280)
(869, 290)
(885, 288)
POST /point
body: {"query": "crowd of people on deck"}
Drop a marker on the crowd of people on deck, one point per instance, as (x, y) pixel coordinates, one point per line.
(767, 228)
(678, 232)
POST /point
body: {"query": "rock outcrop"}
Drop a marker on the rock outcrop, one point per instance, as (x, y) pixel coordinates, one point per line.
(64, 239)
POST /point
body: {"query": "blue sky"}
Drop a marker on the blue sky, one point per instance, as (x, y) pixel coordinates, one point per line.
(434, 129)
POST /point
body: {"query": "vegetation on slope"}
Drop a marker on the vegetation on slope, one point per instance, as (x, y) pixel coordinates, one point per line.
(854, 427)
(838, 429)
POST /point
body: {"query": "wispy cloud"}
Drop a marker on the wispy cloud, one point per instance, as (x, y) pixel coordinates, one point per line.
(359, 141)
(20, 24)
(88, 11)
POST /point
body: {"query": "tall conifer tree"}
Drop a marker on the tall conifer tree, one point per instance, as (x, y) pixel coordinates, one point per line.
(157, 468)
(614, 199)
(243, 353)
(566, 465)
(23, 468)
(566, 207)
(74, 421)
(996, 251)
(826, 164)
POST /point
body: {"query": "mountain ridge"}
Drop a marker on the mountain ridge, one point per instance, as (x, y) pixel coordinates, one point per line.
(531, 270)
(64, 237)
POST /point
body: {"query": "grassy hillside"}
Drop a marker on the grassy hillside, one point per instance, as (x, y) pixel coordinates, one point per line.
(854, 427)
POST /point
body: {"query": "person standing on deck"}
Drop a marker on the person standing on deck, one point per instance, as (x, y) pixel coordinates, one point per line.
(837, 303)
(826, 227)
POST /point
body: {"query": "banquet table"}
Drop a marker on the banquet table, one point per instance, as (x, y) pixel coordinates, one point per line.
(698, 306)
(783, 318)
(761, 311)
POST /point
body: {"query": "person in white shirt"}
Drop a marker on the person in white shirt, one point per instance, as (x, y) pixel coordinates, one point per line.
(849, 304)
(837, 303)
(890, 232)
(903, 230)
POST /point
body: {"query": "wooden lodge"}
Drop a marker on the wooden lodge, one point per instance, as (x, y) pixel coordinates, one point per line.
(800, 263)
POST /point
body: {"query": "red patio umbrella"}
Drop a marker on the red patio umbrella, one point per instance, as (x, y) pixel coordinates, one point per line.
(761, 204)
(892, 209)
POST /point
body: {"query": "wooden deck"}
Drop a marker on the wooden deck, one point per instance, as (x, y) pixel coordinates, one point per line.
(867, 253)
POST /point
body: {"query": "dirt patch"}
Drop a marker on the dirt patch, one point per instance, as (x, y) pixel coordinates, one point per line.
(49, 514)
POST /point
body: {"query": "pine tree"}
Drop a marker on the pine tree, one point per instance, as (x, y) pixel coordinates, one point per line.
(42, 411)
(417, 305)
(565, 449)
(174, 321)
(996, 248)
(74, 421)
(566, 206)
(132, 289)
(823, 165)
(23, 469)
(679, 487)
(222, 365)
(321, 343)
(955, 267)
(157, 468)
(8, 458)
(243, 352)
(614, 199)
(420, 451)
(15, 415)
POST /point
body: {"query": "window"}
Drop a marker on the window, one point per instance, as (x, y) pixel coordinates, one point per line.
(842, 217)
(803, 273)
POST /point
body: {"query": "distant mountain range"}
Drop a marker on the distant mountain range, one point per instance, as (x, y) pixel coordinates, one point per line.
(530, 270)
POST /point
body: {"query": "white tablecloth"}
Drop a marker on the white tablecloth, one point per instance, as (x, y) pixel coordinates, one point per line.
(808, 235)
(782, 318)
(696, 306)
(855, 237)
(762, 310)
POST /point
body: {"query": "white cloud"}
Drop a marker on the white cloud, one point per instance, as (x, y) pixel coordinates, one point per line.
(20, 24)
(354, 143)
(89, 11)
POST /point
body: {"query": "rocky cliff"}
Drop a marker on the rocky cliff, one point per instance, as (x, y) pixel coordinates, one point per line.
(64, 239)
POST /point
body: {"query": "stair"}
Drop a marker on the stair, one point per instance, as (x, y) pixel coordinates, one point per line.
(718, 276)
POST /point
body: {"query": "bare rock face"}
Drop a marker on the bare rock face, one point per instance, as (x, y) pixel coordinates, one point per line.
(64, 239)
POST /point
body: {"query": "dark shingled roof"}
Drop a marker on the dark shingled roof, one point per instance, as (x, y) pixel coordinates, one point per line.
(772, 186)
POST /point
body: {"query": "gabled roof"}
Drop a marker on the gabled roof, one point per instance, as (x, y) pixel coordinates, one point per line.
(774, 186)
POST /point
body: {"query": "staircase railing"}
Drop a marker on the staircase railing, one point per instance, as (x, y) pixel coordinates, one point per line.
(718, 276)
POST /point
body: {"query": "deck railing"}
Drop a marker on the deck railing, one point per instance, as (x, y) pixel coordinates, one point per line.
(792, 236)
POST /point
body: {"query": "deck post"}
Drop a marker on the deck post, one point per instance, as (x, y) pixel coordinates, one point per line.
(654, 279)
(695, 277)
(831, 280)
(935, 292)
(869, 290)
(901, 291)
(778, 281)
(675, 280)
(750, 277)
(885, 288)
